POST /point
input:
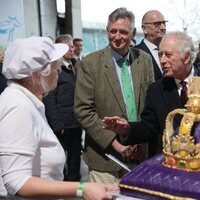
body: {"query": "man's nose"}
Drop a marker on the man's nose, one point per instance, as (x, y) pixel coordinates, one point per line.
(118, 35)
(162, 58)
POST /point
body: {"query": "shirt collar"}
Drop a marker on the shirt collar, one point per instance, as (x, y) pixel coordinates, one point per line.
(117, 56)
(38, 103)
(76, 57)
(191, 74)
(66, 64)
(150, 45)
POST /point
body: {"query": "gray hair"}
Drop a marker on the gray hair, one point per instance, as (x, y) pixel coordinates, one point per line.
(46, 71)
(184, 43)
(63, 38)
(121, 13)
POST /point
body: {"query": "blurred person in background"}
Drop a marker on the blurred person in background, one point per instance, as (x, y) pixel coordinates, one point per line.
(197, 60)
(59, 105)
(78, 48)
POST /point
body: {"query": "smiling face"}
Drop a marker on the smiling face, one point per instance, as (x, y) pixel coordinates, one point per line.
(120, 34)
(174, 64)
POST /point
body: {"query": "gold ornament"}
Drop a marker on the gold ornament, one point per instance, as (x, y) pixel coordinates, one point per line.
(181, 151)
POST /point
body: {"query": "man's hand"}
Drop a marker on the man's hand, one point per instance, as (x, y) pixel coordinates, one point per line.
(117, 125)
(127, 152)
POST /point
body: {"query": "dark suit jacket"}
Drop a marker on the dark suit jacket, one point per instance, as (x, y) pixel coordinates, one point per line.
(98, 94)
(59, 103)
(157, 72)
(162, 98)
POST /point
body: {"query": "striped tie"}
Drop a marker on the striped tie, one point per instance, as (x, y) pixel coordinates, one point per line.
(184, 90)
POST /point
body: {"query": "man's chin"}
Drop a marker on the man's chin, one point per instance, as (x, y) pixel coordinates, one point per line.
(167, 75)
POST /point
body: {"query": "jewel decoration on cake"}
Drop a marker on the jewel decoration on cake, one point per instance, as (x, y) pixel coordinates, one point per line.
(182, 150)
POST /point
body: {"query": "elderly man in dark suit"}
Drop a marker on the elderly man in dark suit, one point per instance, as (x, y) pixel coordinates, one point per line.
(154, 28)
(163, 96)
(100, 92)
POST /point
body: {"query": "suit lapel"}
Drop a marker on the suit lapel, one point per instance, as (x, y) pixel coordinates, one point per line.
(111, 75)
(157, 71)
(171, 97)
(136, 73)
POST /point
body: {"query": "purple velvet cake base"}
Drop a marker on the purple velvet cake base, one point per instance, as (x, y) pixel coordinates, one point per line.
(153, 176)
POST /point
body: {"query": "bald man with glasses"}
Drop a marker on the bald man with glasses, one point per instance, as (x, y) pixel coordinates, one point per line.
(154, 28)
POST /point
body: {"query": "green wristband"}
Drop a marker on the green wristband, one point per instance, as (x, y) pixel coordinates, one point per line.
(79, 191)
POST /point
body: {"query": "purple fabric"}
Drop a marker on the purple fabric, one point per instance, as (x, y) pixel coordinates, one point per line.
(197, 133)
(152, 175)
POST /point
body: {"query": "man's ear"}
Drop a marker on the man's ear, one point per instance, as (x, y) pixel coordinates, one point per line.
(134, 32)
(144, 29)
(186, 58)
(107, 28)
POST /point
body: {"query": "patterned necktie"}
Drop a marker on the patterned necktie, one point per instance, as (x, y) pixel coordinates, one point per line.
(71, 67)
(184, 96)
(129, 97)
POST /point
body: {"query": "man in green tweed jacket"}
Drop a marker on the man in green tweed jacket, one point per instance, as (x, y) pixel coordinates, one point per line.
(99, 94)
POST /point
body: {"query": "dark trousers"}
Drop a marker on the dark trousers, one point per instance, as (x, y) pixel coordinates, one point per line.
(71, 142)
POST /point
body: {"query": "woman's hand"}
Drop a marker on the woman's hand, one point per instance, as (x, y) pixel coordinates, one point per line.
(98, 191)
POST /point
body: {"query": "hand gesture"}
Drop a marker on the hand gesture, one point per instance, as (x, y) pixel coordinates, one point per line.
(117, 125)
(127, 152)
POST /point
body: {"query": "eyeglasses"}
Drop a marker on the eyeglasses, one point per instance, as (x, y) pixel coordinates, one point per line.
(157, 24)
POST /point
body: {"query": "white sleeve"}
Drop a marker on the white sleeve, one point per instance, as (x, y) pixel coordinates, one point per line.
(3, 191)
(17, 147)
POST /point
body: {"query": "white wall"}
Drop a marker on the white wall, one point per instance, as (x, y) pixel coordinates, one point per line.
(22, 18)
(31, 17)
(11, 21)
(76, 18)
(48, 18)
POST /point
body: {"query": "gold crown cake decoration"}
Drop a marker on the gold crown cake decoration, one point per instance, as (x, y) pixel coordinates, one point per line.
(181, 151)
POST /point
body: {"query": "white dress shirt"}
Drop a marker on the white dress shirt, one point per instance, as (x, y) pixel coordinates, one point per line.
(154, 51)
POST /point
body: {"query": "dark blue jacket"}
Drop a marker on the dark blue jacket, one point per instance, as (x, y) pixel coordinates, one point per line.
(59, 103)
(157, 72)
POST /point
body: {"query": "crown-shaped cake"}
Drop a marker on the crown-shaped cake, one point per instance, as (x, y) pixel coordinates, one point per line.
(182, 150)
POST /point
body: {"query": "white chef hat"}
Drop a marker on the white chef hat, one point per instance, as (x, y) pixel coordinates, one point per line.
(25, 56)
